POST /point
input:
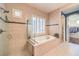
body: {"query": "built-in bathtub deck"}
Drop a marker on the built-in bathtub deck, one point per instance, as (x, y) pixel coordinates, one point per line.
(43, 48)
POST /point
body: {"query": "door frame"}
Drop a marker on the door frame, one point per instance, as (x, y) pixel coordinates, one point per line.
(66, 15)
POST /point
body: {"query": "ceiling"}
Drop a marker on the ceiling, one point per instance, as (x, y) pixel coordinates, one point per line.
(47, 7)
(70, 10)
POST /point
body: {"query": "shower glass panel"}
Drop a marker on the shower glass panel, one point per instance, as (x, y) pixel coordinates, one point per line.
(29, 28)
(35, 27)
(3, 35)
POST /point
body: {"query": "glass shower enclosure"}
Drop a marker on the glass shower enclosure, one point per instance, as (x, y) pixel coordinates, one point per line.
(3, 34)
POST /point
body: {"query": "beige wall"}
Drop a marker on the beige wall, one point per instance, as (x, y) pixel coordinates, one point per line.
(55, 18)
(2, 5)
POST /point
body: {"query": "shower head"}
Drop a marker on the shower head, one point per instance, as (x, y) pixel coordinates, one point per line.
(5, 11)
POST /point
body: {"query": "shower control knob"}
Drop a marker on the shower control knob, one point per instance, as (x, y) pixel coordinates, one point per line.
(1, 31)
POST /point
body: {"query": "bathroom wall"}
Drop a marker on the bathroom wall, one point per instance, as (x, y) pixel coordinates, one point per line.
(54, 19)
(55, 23)
(18, 32)
(2, 5)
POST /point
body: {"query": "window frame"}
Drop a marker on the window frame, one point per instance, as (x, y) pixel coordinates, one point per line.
(43, 29)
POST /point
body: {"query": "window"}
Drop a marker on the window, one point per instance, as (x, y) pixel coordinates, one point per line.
(73, 20)
(38, 25)
(17, 13)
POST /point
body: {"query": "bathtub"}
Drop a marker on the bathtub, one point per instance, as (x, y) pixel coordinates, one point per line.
(41, 39)
(40, 45)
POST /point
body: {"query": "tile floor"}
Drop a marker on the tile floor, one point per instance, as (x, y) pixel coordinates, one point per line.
(65, 49)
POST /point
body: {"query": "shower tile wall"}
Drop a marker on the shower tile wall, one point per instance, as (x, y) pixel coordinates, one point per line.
(18, 32)
(54, 18)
